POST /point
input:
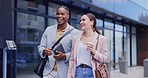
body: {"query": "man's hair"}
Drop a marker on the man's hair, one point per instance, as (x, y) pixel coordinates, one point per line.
(65, 7)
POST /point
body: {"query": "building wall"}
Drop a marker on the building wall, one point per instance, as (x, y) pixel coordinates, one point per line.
(6, 19)
(6, 27)
(142, 44)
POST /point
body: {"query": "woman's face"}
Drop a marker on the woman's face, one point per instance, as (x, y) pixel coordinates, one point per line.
(86, 23)
(62, 15)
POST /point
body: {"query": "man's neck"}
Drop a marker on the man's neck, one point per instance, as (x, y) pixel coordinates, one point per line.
(62, 26)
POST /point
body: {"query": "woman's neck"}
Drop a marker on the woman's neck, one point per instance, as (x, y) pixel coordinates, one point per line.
(88, 33)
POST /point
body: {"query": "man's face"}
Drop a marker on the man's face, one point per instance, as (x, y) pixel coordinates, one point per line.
(62, 15)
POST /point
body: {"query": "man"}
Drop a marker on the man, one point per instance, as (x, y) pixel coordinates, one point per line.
(57, 65)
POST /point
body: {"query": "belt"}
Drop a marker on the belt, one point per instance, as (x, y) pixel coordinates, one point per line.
(84, 66)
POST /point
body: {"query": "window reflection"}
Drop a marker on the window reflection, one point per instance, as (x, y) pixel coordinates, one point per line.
(99, 23)
(134, 47)
(29, 31)
(133, 30)
(109, 25)
(126, 28)
(51, 21)
(52, 9)
(109, 36)
(127, 47)
(75, 18)
(118, 47)
(31, 6)
(118, 27)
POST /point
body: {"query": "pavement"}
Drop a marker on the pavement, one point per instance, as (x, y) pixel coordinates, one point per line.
(133, 72)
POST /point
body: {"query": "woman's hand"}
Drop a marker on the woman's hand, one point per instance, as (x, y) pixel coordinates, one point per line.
(91, 47)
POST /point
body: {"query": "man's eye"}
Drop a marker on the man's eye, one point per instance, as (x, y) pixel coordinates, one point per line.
(83, 19)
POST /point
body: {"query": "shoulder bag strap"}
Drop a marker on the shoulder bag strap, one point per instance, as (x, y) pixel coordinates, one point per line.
(61, 39)
(96, 49)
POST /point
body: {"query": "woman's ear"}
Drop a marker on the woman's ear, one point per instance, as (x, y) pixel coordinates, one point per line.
(68, 16)
(92, 22)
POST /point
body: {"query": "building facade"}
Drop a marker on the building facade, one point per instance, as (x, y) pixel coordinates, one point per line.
(123, 22)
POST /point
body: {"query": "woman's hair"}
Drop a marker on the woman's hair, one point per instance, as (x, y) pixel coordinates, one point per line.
(65, 7)
(93, 18)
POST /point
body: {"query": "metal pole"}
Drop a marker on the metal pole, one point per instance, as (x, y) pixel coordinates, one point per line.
(5, 62)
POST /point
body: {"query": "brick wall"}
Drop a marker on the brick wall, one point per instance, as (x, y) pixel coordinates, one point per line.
(142, 44)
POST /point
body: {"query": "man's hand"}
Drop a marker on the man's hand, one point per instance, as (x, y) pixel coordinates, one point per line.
(47, 51)
(59, 56)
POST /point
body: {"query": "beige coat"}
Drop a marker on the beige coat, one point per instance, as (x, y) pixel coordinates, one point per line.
(101, 54)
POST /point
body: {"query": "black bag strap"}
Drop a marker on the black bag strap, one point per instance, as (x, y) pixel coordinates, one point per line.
(60, 39)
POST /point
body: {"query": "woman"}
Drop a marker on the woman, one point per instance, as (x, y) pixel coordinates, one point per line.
(84, 50)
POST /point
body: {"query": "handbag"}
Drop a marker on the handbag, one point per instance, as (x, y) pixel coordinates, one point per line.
(101, 70)
(40, 66)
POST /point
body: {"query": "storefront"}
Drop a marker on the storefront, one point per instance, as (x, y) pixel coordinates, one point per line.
(29, 18)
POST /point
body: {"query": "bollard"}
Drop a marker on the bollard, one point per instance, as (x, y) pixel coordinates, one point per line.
(123, 66)
(145, 67)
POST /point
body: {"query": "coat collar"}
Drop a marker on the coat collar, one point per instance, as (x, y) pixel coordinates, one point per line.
(68, 27)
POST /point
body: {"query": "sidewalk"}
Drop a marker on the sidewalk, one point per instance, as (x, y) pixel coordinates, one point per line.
(133, 72)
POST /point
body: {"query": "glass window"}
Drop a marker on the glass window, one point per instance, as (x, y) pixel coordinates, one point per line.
(75, 18)
(118, 47)
(31, 6)
(134, 51)
(51, 21)
(118, 27)
(109, 36)
(133, 30)
(127, 47)
(76, 25)
(99, 23)
(109, 25)
(29, 31)
(52, 9)
(126, 28)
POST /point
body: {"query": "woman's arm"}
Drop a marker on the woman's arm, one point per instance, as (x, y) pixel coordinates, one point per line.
(71, 61)
(101, 54)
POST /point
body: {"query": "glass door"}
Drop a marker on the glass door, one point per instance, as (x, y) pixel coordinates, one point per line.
(29, 31)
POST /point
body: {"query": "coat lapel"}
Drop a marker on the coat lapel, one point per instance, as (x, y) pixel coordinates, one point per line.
(76, 45)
